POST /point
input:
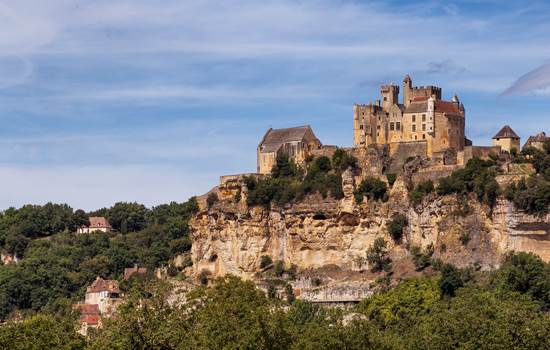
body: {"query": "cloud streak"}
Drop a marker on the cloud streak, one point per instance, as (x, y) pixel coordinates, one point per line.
(535, 81)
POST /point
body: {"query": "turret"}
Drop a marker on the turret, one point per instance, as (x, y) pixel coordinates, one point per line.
(407, 90)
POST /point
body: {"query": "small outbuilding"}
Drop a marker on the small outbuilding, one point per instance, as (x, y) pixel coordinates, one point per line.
(97, 223)
(507, 139)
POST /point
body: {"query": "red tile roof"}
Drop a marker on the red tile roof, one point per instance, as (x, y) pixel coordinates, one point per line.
(88, 309)
(101, 285)
(420, 99)
(99, 222)
(446, 107)
(90, 319)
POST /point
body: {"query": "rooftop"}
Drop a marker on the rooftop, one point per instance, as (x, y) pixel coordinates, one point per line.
(101, 285)
(506, 133)
(277, 137)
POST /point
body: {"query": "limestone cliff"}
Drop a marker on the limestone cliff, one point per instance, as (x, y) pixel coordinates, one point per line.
(317, 232)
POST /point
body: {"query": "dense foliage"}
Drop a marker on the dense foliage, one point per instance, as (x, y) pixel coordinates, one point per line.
(533, 194)
(288, 182)
(55, 270)
(373, 188)
(504, 309)
(396, 226)
(478, 176)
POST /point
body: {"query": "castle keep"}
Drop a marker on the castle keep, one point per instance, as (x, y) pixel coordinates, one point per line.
(423, 121)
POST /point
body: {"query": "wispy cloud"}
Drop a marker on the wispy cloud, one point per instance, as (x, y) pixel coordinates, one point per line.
(148, 87)
(536, 81)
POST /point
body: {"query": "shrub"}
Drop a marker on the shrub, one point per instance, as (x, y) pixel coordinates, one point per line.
(284, 167)
(341, 160)
(422, 189)
(396, 225)
(278, 268)
(478, 176)
(211, 199)
(373, 188)
(238, 196)
(421, 259)
(464, 238)
(450, 280)
(265, 261)
(204, 277)
(377, 256)
(391, 179)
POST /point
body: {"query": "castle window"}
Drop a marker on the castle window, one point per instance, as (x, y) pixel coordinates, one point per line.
(424, 136)
(423, 117)
(414, 118)
(385, 98)
(361, 126)
(392, 126)
(378, 127)
(423, 127)
(414, 127)
(398, 126)
(415, 137)
(430, 128)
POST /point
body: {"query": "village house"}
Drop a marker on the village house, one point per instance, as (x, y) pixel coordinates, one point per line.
(104, 293)
(97, 223)
(297, 143)
(89, 317)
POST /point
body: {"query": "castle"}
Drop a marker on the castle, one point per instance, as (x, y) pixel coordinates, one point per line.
(423, 120)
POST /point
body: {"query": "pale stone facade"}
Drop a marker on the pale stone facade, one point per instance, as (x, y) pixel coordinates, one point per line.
(422, 117)
(97, 223)
(507, 139)
(297, 143)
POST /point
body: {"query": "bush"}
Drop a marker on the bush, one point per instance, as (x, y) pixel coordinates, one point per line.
(421, 259)
(204, 277)
(341, 160)
(391, 179)
(450, 281)
(265, 261)
(396, 225)
(372, 188)
(422, 189)
(278, 268)
(378, 257)
(478, 176)
(464, 238)
(211, 199)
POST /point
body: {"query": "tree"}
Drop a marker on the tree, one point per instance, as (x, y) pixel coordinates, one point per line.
(377, 256)
(396, 226)
(41, 332)
(525, 273)
(450, 281)
(133, 216)
(211, 199)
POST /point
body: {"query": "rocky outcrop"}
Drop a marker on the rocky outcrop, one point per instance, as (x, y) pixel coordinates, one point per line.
(316, 232)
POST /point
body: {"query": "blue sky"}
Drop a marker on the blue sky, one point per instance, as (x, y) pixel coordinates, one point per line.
(151, 101)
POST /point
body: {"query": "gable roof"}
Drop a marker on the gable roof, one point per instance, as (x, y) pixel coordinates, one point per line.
(101, 285)
(275, 138)
(506, 133)
(99, 222)
(88, 309)
(420, 105)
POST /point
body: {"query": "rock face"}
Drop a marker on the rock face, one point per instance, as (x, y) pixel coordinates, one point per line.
(316, 232)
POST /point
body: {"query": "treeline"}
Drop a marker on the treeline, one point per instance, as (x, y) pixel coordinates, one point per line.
(504, 309)
(56, 268)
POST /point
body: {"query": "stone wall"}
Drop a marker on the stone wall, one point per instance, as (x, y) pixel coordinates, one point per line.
(402, 151)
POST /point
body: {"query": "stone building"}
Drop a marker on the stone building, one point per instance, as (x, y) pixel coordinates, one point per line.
(97, 223)
(537, 141)
(297, 143)
(507, 139)
(104, 293)
(423, 124)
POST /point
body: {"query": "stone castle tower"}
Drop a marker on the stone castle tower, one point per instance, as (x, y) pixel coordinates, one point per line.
(422, 124)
